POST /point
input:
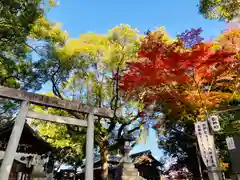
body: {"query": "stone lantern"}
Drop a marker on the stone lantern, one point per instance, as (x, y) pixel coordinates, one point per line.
(127, 168)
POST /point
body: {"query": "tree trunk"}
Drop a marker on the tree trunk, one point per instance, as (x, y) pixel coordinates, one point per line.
(104, 160)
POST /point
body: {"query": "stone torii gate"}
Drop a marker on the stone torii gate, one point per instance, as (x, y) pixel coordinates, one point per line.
(26, 98)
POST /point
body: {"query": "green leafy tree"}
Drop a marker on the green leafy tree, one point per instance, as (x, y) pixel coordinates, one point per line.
(109, 55)
(22, 25)
(17, 17)
(24, 32)
(226, 10)
(94, 64)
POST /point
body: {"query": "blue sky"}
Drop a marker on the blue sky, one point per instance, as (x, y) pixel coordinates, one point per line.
(99, 16)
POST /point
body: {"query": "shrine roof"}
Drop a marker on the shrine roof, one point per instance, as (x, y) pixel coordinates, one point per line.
(146, 156)
(30, 141)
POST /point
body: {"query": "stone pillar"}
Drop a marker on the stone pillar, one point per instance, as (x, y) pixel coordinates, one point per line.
(90, 147)
(214, 173)
(13, 142)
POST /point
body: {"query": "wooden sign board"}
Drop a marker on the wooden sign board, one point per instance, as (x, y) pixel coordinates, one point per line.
(230, 143)
(206, 143)
(234, 153)
(52, 102)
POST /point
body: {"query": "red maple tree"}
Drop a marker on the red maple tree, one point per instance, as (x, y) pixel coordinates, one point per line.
(180, 73)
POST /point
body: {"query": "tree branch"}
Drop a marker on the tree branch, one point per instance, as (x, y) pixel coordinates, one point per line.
(8, 77)
(182, 132)
(134, 129)
(32, 49)
(120, 130)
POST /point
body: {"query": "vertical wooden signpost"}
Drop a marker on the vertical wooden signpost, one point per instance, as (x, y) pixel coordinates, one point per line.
(37, 99)
(207, 147)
